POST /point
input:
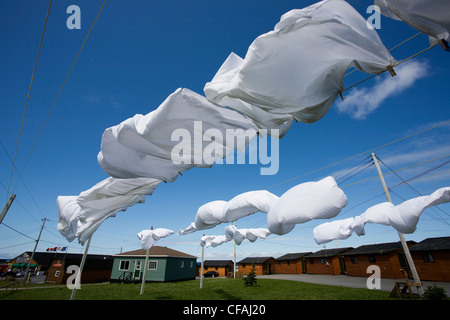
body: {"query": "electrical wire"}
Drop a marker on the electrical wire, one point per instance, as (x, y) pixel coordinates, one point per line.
(28, 95)
(60, 89)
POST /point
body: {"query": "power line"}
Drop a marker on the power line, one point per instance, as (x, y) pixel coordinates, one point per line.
(62, 86)
(28, 95)
(359, 154)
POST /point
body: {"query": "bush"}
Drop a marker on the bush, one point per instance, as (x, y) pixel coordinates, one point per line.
(435, 293)
(250, 279)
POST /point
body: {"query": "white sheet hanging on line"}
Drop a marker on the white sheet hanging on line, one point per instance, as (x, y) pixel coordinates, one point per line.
(148, 237)
(297, 69)
(321, 199)
(80, 216)
(403, 217)
(431, 17)
(181, 128)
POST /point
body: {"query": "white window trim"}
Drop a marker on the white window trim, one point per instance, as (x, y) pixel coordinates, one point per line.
(156, 265)
(120, 265)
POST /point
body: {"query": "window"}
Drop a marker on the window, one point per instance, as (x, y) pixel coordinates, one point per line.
(191, 264)
(354, 260)
(152, 265)
(372, 259)
(427, 257)
(124, 265)
(181, 264)
(311, 261)
(57, 273)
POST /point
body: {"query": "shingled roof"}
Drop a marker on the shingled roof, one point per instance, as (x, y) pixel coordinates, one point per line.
(256, 260)
(217, 263)
(440, 243)
(378, 248)
(293, 256)
(327, 253)
(156, 251)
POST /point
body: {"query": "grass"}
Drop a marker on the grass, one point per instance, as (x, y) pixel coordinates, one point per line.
(213, 289)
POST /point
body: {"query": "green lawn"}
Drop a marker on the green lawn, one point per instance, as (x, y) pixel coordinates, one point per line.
(213, 289)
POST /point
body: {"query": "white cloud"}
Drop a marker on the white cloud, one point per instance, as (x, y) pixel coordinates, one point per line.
(361, 102)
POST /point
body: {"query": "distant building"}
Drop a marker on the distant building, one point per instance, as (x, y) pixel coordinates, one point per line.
(97, 268)
(164, 265)
(432, 258)
(326, 261)
(40, 263)
(291, 263)
(389, 257)
(223, 267)
(263, 265)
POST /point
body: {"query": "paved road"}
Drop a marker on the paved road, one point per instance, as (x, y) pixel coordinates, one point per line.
(348, 281)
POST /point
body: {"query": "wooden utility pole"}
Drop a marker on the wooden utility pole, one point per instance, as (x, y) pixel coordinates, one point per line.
(32, 255)
(6, 208)
(402, 238)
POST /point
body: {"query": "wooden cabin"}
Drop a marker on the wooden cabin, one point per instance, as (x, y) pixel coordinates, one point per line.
(164, 265)
(291, 263)
(222, 267)
(97, 268)
(326, 261)
(432, 258)
(263, 265)
(389, 257)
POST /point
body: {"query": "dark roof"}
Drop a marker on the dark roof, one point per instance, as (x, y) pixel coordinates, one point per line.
(326, 253)
(293, 256)
(256, 260)
(217, 263)
(440, 243)
(156, 251)
(379, 248)
(42, 258)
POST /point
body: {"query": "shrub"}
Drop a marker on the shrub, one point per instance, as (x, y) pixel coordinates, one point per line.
(250, 279)
(435, 293)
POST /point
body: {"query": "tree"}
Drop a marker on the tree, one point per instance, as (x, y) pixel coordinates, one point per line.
(250, 279)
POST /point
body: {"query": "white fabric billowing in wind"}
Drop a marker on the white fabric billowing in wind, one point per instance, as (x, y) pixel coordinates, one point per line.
(431, 17)
(321, 199)
(252, 234)
(145, 146)
(148, 237)
(233, 233)
(311, 200)
(68, 210)
(213, 241)
(403, 217)
(216, 212)
(248, 203)
(80, 216)
(297, 69)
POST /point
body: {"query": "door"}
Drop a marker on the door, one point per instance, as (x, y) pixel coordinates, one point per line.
(137, 269)
(304, 266)
(342, 265)
(404, 263)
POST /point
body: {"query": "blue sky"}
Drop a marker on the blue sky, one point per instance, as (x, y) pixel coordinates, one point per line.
(137, 54)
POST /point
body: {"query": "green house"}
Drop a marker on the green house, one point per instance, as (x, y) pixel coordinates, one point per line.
(164, 265)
